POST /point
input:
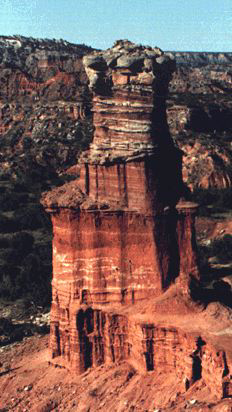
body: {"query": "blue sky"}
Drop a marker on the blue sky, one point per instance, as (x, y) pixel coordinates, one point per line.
(196, 25)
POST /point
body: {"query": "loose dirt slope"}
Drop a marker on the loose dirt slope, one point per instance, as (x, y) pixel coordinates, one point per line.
(28, 382)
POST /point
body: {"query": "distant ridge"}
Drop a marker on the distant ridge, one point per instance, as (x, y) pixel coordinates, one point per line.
(199, 59)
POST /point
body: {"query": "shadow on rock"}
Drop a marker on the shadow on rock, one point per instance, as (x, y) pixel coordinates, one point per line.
(218, 291)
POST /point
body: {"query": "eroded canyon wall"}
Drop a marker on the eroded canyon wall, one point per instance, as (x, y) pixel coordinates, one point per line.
(44, 99)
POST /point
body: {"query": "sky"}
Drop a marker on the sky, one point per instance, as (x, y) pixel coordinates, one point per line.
(184, 25)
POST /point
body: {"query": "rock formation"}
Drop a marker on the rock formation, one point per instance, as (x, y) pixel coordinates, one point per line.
(124, 256)
(44, 98)
(201, 131)
(199, 116)
(41, 69)
(44, 102)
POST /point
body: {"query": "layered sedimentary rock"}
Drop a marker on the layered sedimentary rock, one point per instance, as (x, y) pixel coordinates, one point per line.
(37, 69)
(199, 116)
(121, 238)
(44, 98)
(201, 132)
(130, 181)
(44, 103)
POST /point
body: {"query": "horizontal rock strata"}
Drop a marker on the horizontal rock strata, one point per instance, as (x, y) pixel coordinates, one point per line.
(120, 235)
(97, 337)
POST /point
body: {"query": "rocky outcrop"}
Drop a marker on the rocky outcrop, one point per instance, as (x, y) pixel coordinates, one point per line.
(44, 100)
(206, 165)
(44, 104)
(199, 116)
(35, 69)
(124, 256)
(125, 187)
(203, 131)
(202, 72)
(100, 336)
(202, 136)
(119, 238)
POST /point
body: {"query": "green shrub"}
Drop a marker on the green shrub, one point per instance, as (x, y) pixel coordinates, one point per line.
(31, 217)
(35, 278)
(219, 200)
(8, 224)
(203, 254)
(11, 200)
(6, 326)
(44, 252)
(205, 197)
(32, 281)
(3, 189)
(19, 186)
(23, 242)
(4, 242)
(7, 287)
(222, 249)
(12, 257)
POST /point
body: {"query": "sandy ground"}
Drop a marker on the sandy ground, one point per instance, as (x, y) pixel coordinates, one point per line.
(28, 382)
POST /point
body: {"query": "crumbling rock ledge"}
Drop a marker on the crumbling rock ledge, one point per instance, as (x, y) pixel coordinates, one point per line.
(123, 241)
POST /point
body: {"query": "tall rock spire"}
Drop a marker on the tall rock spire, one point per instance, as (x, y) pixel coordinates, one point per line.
(118, 236)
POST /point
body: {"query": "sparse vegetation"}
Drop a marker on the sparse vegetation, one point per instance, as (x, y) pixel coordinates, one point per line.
(25, 228)
(222, 248)
(212, 201)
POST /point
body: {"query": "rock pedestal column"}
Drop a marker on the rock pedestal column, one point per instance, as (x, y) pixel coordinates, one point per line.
(118, 236)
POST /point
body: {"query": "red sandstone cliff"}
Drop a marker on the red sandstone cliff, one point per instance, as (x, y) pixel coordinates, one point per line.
(124, 256)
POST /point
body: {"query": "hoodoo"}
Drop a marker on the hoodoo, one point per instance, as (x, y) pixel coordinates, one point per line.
(122, 238)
